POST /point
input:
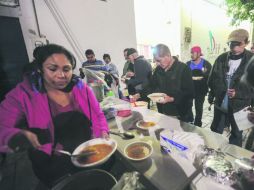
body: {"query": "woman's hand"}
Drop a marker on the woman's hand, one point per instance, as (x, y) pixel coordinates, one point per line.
(33, 139)
(105, 135)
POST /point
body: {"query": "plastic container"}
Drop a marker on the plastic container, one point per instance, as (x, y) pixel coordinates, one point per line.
(98, 90)
(123, 110)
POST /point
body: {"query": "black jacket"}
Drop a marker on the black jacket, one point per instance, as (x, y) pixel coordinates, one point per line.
(175, 82)
(143, 71)
(200, 86)
(217, 82)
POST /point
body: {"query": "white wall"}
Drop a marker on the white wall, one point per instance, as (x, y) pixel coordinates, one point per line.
(105, 27)
(203, 17)
(152, 26)
(158, 21)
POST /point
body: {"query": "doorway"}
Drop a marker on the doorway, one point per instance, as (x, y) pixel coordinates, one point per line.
(13, 54)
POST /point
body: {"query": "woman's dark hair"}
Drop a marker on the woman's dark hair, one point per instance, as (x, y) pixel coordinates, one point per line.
(33, 70)
(41, 53)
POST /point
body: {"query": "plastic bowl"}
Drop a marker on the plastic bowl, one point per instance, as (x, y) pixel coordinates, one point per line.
(81, 147)
(157, 97)
(138, 151)
(150, 124)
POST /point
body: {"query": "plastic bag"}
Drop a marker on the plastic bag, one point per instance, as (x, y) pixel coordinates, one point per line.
(129, 181)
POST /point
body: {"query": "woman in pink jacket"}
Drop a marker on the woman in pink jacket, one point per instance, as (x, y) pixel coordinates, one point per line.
(60, 113)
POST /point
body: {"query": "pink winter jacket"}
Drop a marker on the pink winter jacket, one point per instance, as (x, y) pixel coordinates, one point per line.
(22, 102)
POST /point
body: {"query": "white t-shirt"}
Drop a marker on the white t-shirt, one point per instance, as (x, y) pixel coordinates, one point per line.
(233, 65)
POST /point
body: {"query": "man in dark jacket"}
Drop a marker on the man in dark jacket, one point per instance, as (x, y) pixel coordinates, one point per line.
(224, 82)
(200, 71)
(174, 79)
(248, 79)
(142, 72)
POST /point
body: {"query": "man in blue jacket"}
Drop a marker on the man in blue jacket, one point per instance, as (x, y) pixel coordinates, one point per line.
(200, 71)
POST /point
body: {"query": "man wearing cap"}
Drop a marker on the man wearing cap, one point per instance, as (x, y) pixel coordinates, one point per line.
(200, 71)
(224, 81)
(142, 72)
(248, 79)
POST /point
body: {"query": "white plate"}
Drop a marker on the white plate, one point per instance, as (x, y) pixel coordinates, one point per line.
(144, 128)
(157, 97)
(148, 149)
(81, 147)
(139, 104)
(197, 78)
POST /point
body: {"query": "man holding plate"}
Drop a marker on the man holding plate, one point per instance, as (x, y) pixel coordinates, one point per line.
(174, 79)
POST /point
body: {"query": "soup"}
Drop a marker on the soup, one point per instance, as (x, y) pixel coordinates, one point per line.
(102, 150)
(137, 151)
(146, 124)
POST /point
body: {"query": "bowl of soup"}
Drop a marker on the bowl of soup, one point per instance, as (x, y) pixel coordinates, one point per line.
(103, 150)
(145, 125)
(138, 151)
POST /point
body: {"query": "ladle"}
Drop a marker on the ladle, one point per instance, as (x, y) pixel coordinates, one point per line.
(82, 154)
(124, 135)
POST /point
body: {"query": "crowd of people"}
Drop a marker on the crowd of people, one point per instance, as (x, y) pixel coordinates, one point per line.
(51, 98)
(185, 84)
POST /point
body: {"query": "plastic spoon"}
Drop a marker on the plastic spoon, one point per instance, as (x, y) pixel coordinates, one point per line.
(126, 135)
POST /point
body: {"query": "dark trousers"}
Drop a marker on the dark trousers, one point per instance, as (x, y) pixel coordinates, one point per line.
(250, 141)
(199, 102)
(222, 120)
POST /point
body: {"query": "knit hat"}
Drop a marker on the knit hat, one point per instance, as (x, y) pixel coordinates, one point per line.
(238, 35)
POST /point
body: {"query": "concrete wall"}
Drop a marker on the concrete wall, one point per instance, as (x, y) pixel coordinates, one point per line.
(105, 27)
(158, 21)
(204, 18)
(164, 21)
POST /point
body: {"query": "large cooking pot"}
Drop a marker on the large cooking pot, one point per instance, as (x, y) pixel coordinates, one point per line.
(88, 179)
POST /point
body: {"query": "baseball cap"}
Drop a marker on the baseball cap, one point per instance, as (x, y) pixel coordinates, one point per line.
(238, 35)
(131, 51)
(196, 49)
